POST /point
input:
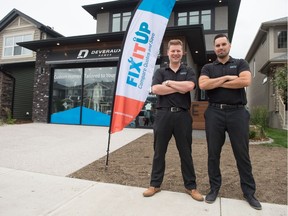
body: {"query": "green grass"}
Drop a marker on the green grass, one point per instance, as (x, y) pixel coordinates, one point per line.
(279, 136)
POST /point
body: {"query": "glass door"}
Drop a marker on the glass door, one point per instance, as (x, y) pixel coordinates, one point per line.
(67, 93)
(98, 95)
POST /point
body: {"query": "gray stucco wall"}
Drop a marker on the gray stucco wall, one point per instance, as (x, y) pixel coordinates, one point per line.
(102, 23)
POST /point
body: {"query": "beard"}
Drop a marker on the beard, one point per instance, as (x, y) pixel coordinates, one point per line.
(222, 55)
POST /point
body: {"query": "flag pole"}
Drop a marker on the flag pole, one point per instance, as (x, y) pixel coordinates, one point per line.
(107, 151)
(115, 87)
(140, 53)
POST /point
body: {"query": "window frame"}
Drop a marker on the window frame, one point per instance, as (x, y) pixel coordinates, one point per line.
(23, 51)
(122, 21)
(281, 41)
(200, 16)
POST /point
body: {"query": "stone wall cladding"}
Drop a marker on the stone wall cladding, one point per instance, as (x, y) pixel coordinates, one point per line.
(6, 93)
(41, 88)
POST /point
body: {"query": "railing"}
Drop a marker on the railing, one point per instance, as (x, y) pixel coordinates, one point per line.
(282, 111)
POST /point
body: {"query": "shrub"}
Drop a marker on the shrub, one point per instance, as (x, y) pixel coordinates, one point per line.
(9, 119)
(252, 134)
(256, 132)
(259, 116)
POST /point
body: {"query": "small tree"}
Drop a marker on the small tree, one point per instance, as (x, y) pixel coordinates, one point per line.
(280, 81)
(259, 116)
(258, 123)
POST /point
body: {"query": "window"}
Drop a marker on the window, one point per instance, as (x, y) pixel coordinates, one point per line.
(182, 19)
(12, 49)
(282, 39)
(67, 96)
(202, 94)
(194, 18)
(206, 19)
(254, 67)
(120, 21)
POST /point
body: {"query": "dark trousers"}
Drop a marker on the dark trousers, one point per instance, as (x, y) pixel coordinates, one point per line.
(178, 124)
(236, 123)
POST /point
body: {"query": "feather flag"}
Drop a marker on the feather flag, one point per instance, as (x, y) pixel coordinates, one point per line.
(139, 54)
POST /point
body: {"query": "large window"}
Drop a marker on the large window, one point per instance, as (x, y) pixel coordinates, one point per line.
(11, 48)
(67, 96)
(120, 21)
(98, 92)
(194, 18)
(83, 96)
(282, 39)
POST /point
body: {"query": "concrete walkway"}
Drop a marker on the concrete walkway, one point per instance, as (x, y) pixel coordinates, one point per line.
(35, 158)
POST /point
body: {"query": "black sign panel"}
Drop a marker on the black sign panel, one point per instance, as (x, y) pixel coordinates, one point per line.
(83, 55)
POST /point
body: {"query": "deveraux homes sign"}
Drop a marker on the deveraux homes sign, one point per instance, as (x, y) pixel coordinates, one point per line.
(83, 55)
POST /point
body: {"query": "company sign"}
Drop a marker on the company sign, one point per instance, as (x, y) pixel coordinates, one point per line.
(83, 55)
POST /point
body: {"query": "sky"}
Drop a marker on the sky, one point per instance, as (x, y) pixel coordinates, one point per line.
(68, 18)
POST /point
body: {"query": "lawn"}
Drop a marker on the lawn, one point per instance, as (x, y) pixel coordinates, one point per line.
(279, 136)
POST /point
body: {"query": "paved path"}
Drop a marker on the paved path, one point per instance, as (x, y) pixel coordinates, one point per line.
(35, 158)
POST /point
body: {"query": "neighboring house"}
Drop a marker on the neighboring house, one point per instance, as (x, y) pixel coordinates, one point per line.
(17, 64)
(76, 64)
(267, 53)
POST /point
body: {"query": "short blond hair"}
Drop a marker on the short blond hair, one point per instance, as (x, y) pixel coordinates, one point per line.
(175, 42)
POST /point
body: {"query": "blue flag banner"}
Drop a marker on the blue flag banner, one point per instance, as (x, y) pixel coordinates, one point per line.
(139, 54)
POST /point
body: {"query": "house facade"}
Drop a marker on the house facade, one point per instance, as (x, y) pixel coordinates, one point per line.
(17, 64)
(267, 53)
(75, 76)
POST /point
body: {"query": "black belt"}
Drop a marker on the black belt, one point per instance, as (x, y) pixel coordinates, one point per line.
(172, 109)
(226, 106)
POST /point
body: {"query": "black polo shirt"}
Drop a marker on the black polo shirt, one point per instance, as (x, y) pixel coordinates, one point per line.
(184, 73)
(225, 95)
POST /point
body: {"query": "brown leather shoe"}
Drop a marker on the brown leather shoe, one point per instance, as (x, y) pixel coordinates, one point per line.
(151, 191)
(195, 194)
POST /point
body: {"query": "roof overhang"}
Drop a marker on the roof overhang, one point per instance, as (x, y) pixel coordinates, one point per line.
(15, 13)
(193, 34)
(262, 34)
(120, 5)
(275, 62)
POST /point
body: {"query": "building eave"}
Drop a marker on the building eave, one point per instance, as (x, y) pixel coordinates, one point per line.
(193, 34)
(261, 34)
(233, 8)
(13, 14)
(266, 68)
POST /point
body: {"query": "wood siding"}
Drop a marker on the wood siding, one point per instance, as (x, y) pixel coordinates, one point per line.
(23, 94)
(197, 111)
(19, 26)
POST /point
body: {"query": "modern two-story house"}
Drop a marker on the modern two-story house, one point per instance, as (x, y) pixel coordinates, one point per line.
(17, 64)
(75, 76)
(267, 53)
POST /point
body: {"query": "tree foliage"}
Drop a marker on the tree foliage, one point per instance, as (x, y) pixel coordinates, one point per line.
(280, 81)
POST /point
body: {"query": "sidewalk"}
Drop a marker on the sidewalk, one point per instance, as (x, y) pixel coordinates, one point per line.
(35, 158)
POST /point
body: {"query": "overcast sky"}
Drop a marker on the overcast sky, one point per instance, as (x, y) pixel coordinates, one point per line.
(69, 18)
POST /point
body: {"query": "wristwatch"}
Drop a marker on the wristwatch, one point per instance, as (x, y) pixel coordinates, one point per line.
(167, 83)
